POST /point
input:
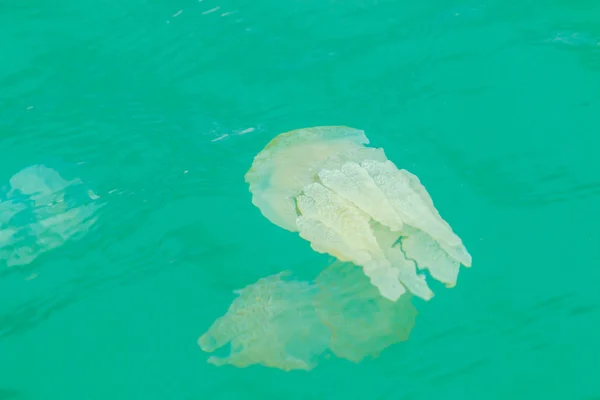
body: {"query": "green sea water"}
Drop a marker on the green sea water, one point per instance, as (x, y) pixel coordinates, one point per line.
(158, 108)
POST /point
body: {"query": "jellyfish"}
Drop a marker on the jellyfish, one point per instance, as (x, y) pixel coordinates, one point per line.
(272, 323)
(349, 201)
(291, 325)
(40, 212)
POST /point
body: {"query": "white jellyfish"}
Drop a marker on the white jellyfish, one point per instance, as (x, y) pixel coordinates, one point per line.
(40, 212)
(350, 201)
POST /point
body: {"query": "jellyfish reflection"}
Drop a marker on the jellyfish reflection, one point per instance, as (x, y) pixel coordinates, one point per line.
(288, 324)
(273, 322)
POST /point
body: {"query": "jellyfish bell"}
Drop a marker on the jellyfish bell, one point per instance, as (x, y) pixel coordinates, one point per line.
(348, 200)
(289, 162)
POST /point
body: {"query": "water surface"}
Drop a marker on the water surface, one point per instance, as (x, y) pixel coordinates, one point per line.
(159, 107)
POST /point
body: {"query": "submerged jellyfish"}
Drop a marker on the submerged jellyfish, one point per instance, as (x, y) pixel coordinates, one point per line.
(40, 212)
(348, 200)
(273, 323)
(362, 322)
(289, 324)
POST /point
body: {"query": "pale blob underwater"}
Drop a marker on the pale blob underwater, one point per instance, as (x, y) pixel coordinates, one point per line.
(41, 211)
(290, 325)
(349, 201)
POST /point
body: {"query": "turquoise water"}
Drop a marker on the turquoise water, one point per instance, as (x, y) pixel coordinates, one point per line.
(158, 108)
